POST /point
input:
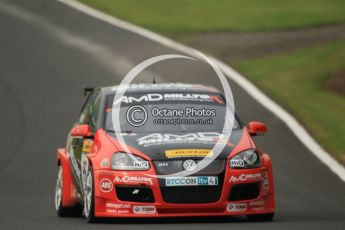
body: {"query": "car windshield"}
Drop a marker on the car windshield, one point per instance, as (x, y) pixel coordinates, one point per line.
(168, 112)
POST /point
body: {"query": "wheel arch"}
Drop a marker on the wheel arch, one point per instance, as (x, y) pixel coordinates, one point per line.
(69, 198)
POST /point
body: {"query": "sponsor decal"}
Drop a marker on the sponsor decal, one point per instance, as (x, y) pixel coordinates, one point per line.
(257, 203)
(188, 153)
(240, 178)
(237, 163)
(153, 97)
(106, 185)
(117, 206)
(217, 99)
(133, 179)
(117, 211)
(144, 209)
(244, 177)
(165, 86)
(236, 207)
(257, 208)
(191, 181)
(159, 138)
(163, 164)
(253, 176)
(87, 145)
(266, 181)
(141, 164)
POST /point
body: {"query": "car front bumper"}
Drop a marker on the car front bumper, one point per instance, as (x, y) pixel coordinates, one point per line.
(108, 203)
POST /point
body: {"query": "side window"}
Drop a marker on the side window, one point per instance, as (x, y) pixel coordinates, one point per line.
(90, 112)
(94, 110)
(85, 113)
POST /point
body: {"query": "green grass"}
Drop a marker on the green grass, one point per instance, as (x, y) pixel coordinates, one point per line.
(296, 81)
(179, 16)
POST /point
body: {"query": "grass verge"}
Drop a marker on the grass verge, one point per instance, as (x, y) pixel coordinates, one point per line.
(180, 16)
(297, 81)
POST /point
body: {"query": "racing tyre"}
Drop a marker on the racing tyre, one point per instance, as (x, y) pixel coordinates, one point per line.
(89, 198)
(261, 217)
(63, 211)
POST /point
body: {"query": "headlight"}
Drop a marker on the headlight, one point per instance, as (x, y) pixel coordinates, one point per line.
(246, 159)
(125, 161)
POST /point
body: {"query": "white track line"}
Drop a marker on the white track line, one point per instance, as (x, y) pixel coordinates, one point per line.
(249, 87)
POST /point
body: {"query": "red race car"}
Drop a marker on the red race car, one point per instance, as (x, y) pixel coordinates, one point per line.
(165, 129)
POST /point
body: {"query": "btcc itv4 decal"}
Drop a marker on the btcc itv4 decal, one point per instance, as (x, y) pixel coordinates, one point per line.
(191, 181)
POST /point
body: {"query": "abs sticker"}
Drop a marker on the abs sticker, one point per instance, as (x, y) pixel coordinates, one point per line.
(144, 209)
(188, 153)
(236, 207)
(106, 185)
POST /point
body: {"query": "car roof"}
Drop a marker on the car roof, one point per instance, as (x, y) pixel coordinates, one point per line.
(161, 88)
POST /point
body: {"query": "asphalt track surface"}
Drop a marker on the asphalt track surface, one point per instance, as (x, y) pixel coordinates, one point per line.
(49, 51)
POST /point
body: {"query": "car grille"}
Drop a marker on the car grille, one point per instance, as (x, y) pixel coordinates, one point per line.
(247, 191)
(191, 194)
(175, 166)
(134, 193)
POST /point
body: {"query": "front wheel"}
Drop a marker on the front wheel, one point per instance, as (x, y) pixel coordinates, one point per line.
(89, 198)
(261, 217)
(63, 211)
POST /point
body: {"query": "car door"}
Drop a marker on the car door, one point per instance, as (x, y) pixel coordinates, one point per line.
(88, 116)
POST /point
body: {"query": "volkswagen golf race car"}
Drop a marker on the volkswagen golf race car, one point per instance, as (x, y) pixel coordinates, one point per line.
(164, 129)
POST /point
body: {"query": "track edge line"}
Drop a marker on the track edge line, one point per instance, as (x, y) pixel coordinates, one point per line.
(296, 128)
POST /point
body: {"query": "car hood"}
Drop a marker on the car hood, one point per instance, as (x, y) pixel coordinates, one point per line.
(173, 145)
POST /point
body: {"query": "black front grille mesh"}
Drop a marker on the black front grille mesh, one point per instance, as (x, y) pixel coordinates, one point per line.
(165, 167)
(247, 191)
(192, 194)
(134, 193)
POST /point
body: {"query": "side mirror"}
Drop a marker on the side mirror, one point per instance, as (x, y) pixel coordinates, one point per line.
(81, 131)
(257, 128)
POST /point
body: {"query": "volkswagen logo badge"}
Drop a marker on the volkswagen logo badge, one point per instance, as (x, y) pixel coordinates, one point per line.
(189, 165)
